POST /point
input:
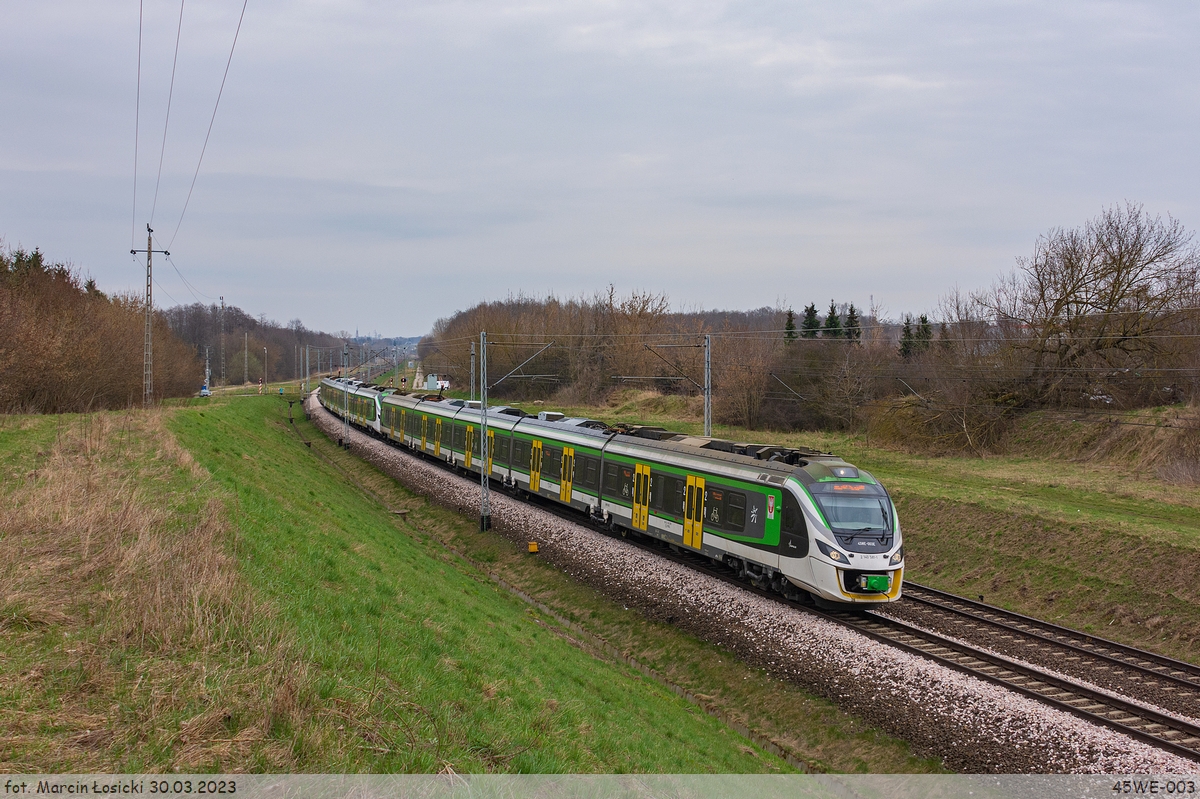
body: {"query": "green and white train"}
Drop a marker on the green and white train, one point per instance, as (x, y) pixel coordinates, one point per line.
(790, 519)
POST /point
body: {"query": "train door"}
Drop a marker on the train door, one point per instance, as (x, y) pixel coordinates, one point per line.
(568, 474)
(535, 466)
(491, 448)
(437, 439)
(403, 426)
(467, 447)
(693, 512)
(641, 496)
(424, 431)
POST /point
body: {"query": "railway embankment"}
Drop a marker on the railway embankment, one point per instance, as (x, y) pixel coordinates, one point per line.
(971, 725)
(191, 589)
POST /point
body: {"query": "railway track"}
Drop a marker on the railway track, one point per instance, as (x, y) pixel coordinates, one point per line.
(1098, 707)
(1180, 679)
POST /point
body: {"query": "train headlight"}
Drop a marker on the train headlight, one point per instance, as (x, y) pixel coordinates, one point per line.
(831, 553)
(897, 557)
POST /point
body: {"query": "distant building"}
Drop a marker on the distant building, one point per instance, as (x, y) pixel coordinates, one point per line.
(434, 382)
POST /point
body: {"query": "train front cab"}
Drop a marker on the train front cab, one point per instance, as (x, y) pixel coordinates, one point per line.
(827, 561)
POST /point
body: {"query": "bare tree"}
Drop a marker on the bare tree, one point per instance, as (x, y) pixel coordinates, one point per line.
(1099, 298)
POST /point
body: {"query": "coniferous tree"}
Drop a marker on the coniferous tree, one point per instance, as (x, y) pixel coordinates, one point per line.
(789, 328)
(812, 323)
(853, 325)
(906, 338)
(833, 322)
(923, 335)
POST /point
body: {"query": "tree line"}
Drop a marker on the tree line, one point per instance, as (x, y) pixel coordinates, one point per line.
(66, 346)
(1100, 317)
(253, 346)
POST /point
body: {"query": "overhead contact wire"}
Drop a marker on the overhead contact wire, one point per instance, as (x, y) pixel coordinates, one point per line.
(137, 123)
(210, 124)
(167, 120)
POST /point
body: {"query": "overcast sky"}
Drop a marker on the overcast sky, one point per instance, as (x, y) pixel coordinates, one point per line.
(380, 165)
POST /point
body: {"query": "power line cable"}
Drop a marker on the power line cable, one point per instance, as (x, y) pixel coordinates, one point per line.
(216, 105)
(167, 121)
(137, 121)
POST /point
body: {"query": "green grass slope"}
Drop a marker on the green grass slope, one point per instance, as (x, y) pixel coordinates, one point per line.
(430, 665)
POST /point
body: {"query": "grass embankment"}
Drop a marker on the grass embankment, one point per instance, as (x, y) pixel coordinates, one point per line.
(1082, 523)
(130, 640)
(813, 728)
(233, 603)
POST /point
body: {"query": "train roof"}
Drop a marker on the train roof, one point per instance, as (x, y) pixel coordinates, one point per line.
(775, 462)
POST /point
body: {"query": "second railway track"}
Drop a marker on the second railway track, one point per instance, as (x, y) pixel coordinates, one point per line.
(1145, 676)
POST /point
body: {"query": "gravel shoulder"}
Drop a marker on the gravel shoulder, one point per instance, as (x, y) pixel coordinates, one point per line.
(971, 725)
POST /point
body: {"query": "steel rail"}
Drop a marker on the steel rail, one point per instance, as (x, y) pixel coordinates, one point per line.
(1130, 718)
(1151, 663)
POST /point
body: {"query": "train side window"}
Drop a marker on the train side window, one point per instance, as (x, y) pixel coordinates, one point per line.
(612, 480)
(587, 472)
(551, 463)
(735, 511)
(627, 482)
(658, 484)
(460, 437)
(501, 444)
(674, 491)
(793, 531)
(520, 453)
(714, 506)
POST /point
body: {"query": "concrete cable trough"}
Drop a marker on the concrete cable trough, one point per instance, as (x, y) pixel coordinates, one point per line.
(973, 726)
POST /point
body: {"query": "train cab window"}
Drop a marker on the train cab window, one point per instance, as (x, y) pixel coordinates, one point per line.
(501, 443)
(612, 480)
(793, 531)
(551, 463)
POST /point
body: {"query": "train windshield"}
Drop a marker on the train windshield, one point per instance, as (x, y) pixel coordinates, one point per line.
(855, 508)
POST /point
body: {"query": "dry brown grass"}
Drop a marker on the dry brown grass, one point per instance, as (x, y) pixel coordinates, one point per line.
(131, 640)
